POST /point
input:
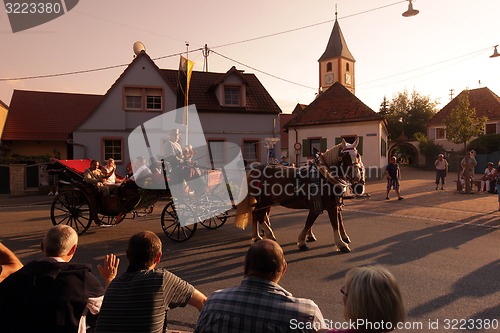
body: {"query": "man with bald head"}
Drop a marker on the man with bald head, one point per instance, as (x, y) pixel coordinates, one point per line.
(259, 303)
(52, 294)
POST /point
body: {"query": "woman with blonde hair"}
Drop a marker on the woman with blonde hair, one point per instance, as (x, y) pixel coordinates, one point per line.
(372, 301)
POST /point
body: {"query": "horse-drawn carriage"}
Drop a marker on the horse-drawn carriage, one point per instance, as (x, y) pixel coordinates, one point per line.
(79, 203)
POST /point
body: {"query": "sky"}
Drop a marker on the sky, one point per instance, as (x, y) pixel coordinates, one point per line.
(446, 46)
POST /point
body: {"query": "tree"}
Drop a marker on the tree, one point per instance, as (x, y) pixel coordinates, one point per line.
(407, 115)
(462, 123)
(486, 144)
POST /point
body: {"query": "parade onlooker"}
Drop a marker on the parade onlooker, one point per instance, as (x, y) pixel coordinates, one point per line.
(52, 294)
(488, 180)
(53, 169)
(468, 165)
(497, 174)
(259, 304)
(138, 300)
(372, 300)
(9, 263)
(393, 174)
(441, 170)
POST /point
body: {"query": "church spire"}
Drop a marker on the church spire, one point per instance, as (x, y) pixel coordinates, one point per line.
(337, 46)
(337, 63)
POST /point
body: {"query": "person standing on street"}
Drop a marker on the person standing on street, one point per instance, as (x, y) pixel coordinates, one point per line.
(441, 170)
(393, 174)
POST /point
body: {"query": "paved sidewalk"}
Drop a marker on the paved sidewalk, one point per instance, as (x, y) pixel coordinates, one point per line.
(423, 201)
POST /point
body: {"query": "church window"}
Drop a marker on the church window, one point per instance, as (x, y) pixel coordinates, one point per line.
(329, 67)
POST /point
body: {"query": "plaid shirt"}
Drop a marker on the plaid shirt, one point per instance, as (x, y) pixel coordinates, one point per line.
(258, 306)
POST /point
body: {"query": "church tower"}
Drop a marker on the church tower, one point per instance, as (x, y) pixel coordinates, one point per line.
(337, 63)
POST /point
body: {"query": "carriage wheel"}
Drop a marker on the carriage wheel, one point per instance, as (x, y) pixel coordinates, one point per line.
(215, 203)
(72, 208)
(109, 219)
(171, 225)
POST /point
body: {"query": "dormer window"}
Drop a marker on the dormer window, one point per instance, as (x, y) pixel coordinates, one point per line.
(142, 99)
(232, 95)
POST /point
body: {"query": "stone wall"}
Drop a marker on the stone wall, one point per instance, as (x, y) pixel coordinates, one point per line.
(17, 179)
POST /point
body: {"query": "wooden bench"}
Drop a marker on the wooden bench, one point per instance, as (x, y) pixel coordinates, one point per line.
(475, 182)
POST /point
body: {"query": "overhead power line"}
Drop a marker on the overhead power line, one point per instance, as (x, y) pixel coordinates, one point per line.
(199, 49)
(263, 72)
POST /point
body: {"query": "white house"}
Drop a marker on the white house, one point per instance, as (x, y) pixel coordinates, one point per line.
(338, 114)
(233, 107)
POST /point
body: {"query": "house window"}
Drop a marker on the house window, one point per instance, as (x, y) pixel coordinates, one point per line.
(314, 144)
(491, 128)
(440, 133)
(216, 151)
(153, 102)
(143, 99)
(232, 96)
(133, 102)
(250, 150)
(112, 148)
(383, 147)
(329, 67)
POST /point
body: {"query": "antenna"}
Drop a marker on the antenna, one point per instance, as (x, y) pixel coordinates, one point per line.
(139, 48)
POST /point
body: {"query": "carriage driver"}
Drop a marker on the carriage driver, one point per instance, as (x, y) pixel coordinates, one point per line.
(94, 175)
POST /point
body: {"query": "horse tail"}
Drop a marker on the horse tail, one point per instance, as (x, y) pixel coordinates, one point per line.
(244, 212)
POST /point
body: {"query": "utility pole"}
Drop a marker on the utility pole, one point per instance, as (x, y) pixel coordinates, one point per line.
(205, 52)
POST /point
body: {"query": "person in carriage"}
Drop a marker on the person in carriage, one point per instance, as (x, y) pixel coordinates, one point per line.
(94, 175)
(181, 164)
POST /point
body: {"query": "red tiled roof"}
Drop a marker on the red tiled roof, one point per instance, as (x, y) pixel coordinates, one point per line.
(202, 92)
(485, 101)
(36, 115)
(336, 105)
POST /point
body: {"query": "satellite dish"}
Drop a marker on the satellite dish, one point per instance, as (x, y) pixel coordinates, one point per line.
(138, 48)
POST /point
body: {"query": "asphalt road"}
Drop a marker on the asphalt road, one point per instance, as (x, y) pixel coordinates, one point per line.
(448, 269)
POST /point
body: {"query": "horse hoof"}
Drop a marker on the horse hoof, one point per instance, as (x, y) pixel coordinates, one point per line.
(303, 247)
(345, 249)
(311, 238)
(347, 240)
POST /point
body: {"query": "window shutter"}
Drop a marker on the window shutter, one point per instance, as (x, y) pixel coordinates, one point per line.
(305, 148)
(360, 145)
(323, 145)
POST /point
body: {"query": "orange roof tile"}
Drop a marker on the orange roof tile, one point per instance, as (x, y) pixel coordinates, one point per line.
(485, 101)
(336, 105)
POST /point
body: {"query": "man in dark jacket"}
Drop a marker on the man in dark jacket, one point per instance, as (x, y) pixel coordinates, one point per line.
(51, 294)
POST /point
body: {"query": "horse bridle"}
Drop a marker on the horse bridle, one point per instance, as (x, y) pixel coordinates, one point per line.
(356, 164)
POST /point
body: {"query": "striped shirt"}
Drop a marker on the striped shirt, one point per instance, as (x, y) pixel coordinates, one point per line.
(138, 301)
(258, 306)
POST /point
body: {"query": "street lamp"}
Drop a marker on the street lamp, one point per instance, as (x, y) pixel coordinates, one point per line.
(410, 11)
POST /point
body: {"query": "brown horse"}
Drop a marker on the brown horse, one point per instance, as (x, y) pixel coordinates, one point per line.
(316, 187)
